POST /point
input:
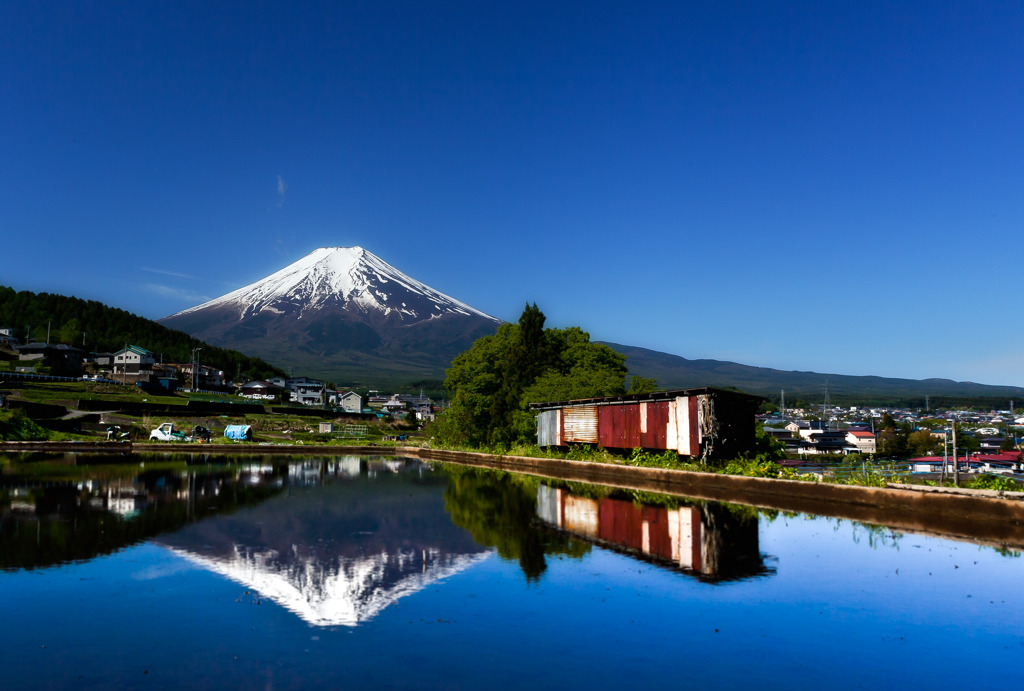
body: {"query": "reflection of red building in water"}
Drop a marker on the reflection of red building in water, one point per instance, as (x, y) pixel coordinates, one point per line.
(708, 539)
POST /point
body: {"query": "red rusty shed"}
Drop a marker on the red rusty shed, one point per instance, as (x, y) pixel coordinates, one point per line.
(703, 422)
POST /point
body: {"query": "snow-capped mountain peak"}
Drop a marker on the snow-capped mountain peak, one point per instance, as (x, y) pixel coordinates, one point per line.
(341, 313)
(351, 278)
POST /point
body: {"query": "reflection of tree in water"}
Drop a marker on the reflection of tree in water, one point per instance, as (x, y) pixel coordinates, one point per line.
(500, 510)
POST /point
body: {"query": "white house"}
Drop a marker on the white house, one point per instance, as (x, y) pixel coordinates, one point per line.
(133, 362)
(862, 440)
(350, 402)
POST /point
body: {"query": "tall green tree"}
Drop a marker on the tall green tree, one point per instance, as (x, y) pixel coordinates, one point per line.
(493, 383)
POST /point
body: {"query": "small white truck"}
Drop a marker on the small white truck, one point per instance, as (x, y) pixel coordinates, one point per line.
(166, 432)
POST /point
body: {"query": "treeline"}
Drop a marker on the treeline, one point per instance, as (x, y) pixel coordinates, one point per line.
(95, 327)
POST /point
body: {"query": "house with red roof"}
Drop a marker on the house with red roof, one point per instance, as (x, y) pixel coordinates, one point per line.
(863, 440)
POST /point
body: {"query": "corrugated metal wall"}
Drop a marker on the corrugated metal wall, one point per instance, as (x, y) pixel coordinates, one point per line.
(549, 428)
(715, 423)
(579, 424)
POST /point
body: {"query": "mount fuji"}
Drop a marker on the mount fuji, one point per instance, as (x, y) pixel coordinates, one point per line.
(344, 314)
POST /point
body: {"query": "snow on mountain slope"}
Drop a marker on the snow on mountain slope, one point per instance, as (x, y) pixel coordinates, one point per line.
(348, 277)
(341, 313)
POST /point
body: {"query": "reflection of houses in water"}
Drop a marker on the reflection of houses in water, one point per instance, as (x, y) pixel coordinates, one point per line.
(710, 539)
(53, 522)
(124, 497)
(313, 471)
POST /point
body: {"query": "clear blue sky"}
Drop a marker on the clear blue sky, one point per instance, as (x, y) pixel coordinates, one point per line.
(828, 186)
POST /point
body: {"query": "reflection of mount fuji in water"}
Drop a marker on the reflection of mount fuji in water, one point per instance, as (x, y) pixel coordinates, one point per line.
(347, 538)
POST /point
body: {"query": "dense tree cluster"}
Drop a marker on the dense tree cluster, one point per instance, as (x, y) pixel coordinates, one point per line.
(494, 381)
(95, 327)
(901, 440)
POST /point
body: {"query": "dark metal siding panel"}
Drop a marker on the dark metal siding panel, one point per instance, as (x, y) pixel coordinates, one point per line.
(607, 436)
(610, 426)
(580, 424)
(619, 426)
(694, 426)
(631, 437)
(734, 418)
(657, 425)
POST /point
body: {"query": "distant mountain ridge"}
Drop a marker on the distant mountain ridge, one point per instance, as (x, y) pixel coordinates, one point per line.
(344, 314)
(673, 371)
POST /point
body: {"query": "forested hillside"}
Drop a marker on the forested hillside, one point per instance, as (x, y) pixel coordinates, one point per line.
(95, 327)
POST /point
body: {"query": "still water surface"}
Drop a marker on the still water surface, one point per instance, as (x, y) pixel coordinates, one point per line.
(359, 572)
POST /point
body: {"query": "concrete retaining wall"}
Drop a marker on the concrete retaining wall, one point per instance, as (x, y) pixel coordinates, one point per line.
(988, 517)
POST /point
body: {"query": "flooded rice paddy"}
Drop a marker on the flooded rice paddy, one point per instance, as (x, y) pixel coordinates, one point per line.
(359, 572)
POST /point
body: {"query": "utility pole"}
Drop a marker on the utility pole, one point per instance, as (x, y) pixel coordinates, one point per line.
(195, 366)
(945, 455)
(956, 461)
(782, 403)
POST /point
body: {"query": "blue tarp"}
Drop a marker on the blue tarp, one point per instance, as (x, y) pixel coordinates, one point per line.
(238, 432)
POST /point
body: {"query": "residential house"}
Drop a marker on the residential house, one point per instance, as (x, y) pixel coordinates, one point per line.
(827, 441)
(350, 402)
(133, 363)
(862, 441)
(805, 428)
(7, 339)
(395, 405)
(262, 390)
(63, 359)
(1005, 462)
(991, 445)
(307, 391)
(206, 376)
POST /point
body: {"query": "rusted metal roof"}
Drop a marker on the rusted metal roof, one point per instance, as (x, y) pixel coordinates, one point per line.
(638, 397)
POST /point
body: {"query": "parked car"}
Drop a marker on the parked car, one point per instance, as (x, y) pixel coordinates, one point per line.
(166, 432)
